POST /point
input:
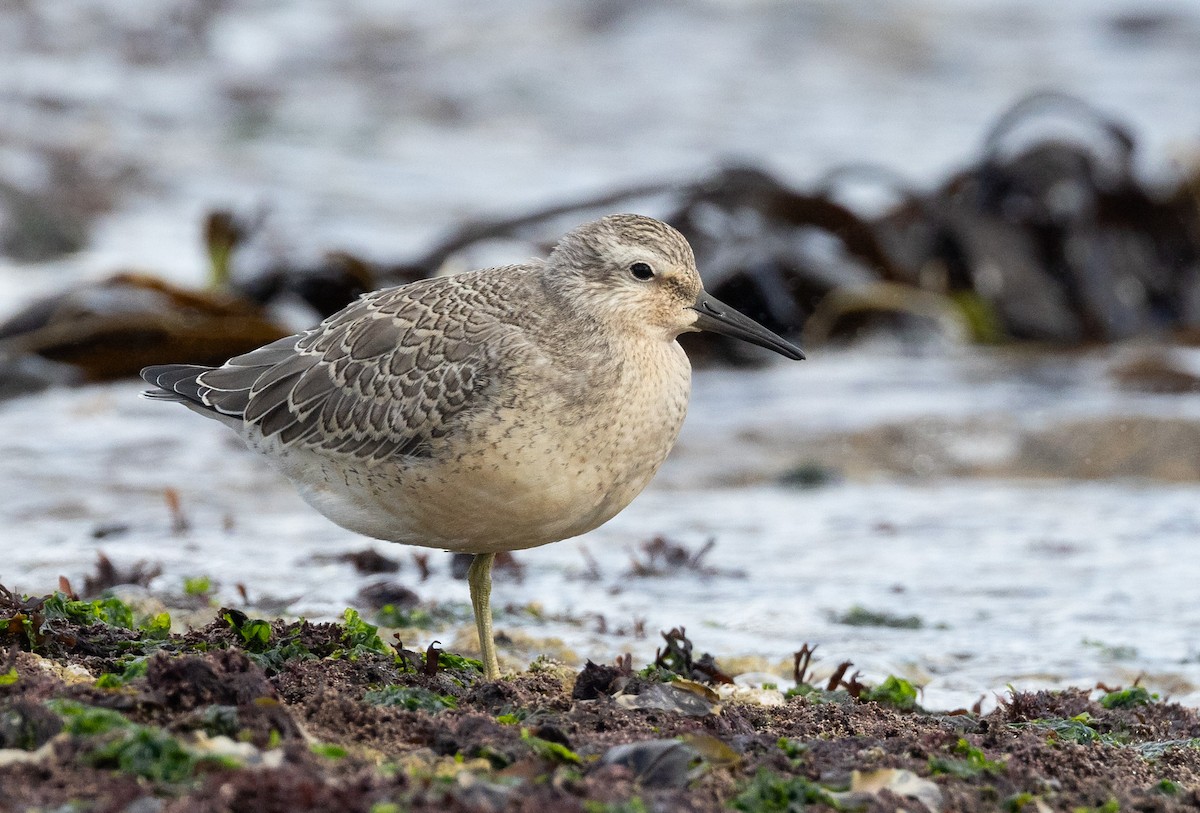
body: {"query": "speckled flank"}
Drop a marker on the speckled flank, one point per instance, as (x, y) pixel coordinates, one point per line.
(494, 410)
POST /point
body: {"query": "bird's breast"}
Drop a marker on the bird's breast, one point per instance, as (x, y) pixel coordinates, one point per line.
(553, 466)
(609, 449)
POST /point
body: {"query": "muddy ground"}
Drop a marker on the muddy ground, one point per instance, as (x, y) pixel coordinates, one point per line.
(103, 710)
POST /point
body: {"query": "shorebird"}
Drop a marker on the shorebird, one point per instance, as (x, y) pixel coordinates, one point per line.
(487, 411)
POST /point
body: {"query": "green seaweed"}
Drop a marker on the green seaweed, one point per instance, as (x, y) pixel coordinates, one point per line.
(115, 742)
(157, 626)
(983, 323)
(550, 751)
(896, 692)
(768, 792)
(1077, 729)
(328, 750)
(1128, 698)
(859, 616)
(792, 748)
(1111, 806)
(971, 762)
(81, 720)
(1018, 802)
(633, 804)
(134, 668)
(459, 663)
(256, 639)
(146, 752)
(254, 632)
(197, 586)
(413, 698)
(658, 674)
(359, 637)
(109, 610)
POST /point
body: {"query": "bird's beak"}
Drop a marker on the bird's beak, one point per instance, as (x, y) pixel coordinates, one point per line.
(720, 318)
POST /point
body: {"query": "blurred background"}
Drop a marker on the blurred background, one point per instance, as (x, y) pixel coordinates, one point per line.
(982, 219)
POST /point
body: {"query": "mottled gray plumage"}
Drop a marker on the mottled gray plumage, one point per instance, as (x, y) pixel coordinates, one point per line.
(493, 410)
(381, 379)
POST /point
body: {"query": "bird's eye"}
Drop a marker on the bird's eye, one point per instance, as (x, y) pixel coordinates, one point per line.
(641, 271)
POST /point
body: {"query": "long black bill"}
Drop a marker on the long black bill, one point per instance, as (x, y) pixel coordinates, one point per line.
(720, 318)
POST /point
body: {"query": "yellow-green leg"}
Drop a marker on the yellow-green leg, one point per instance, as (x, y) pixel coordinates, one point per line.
(480, 579)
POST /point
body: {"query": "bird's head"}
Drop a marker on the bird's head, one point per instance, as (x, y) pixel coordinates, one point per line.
(640, 273)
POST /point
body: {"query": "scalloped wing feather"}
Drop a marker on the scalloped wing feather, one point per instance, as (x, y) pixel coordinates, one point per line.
(383, 377)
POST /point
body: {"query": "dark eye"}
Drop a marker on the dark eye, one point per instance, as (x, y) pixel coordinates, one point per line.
(641, 271)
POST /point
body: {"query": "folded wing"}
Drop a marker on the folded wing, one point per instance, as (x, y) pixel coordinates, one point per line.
(385, 376)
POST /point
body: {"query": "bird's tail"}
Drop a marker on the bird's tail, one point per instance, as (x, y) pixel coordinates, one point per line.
(174, 382)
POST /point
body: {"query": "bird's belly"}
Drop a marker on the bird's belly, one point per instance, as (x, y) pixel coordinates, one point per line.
(516, 479)
(475, 504)
(520, 491)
